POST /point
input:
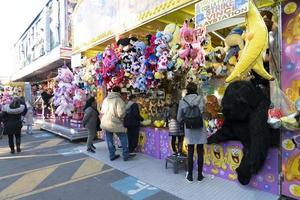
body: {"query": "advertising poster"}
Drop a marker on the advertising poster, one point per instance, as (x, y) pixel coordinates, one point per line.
(209, 12)
(290, 82)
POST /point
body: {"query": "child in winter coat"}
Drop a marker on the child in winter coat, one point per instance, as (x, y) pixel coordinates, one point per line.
(175, 131)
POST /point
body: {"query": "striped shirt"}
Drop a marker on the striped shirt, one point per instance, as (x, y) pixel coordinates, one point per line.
(174, 126)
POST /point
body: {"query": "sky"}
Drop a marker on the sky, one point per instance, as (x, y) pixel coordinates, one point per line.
(15, 17)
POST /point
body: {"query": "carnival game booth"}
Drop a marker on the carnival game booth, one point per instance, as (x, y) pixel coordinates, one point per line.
(44, 47)
(153, 50)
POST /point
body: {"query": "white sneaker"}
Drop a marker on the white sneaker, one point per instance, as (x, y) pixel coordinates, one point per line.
(189, 179)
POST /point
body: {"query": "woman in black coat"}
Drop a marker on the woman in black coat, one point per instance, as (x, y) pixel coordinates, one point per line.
(11, 115)
(132, 122)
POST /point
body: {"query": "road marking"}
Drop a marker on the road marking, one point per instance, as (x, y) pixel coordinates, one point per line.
(89, 166)
(69, 151)
(33, 150)
(42, 135)
(29, 156)
(36, 141)
(33, 170)
(47, 144)
(60, 184)
(27, 183)
(134, 188)
(50, 143)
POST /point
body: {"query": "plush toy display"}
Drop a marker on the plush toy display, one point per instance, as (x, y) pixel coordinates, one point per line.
(256, 44)
(63, 97)
(192, 51)
(250, 126)
(234, 42)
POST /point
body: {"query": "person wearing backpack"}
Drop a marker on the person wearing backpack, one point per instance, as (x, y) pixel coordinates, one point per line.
(132, 122)
(190, 112)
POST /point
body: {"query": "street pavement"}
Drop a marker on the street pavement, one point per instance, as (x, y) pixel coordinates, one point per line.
(52, 168)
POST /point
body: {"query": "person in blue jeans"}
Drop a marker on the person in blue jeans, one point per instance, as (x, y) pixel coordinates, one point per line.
(113, 112)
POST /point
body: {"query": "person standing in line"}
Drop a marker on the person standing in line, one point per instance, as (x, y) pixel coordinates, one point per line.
(175, 131)
(132, 122)
(12, 114)
(91, 121)
(28, 118)
(113, 112)
(190, 112)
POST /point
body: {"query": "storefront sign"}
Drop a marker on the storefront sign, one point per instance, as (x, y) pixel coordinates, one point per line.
(290, 84)
(209, 12)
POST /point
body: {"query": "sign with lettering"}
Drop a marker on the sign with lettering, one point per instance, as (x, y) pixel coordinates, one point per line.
(208, 12)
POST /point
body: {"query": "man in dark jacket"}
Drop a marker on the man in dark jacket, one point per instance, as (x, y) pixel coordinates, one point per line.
(46, 96)
(132, 122)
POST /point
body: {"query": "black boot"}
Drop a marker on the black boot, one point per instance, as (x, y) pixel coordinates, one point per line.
(12, 151)
(93, 146)
(91, 150)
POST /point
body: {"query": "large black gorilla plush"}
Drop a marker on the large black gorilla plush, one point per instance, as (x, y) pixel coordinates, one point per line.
(245, 110)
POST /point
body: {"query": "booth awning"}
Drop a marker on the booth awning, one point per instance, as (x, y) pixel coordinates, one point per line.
(95, 22)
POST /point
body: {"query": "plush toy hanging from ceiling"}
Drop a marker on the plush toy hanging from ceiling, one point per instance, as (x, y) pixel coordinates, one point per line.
(186, 39)
(192, 51)
(234, 43)
(89, 72)
(150, 49)
(173, 30)
(108, 65)
(78, 74)
(256, 44)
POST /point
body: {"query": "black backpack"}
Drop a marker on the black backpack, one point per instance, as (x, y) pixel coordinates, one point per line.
(192, 117)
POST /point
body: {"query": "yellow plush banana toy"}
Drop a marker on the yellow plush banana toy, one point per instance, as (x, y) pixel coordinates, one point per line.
(252, 57)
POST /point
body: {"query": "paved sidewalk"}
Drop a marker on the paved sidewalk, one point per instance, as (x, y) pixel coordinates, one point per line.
(152, 171)
(52, 168)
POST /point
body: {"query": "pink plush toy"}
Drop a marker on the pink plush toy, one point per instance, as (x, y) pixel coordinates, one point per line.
(198, 56)
(192, 52)
(163, 61)
(186, 34)
(150, 49)
(184, 54)
(117, 80)
(109, 58)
